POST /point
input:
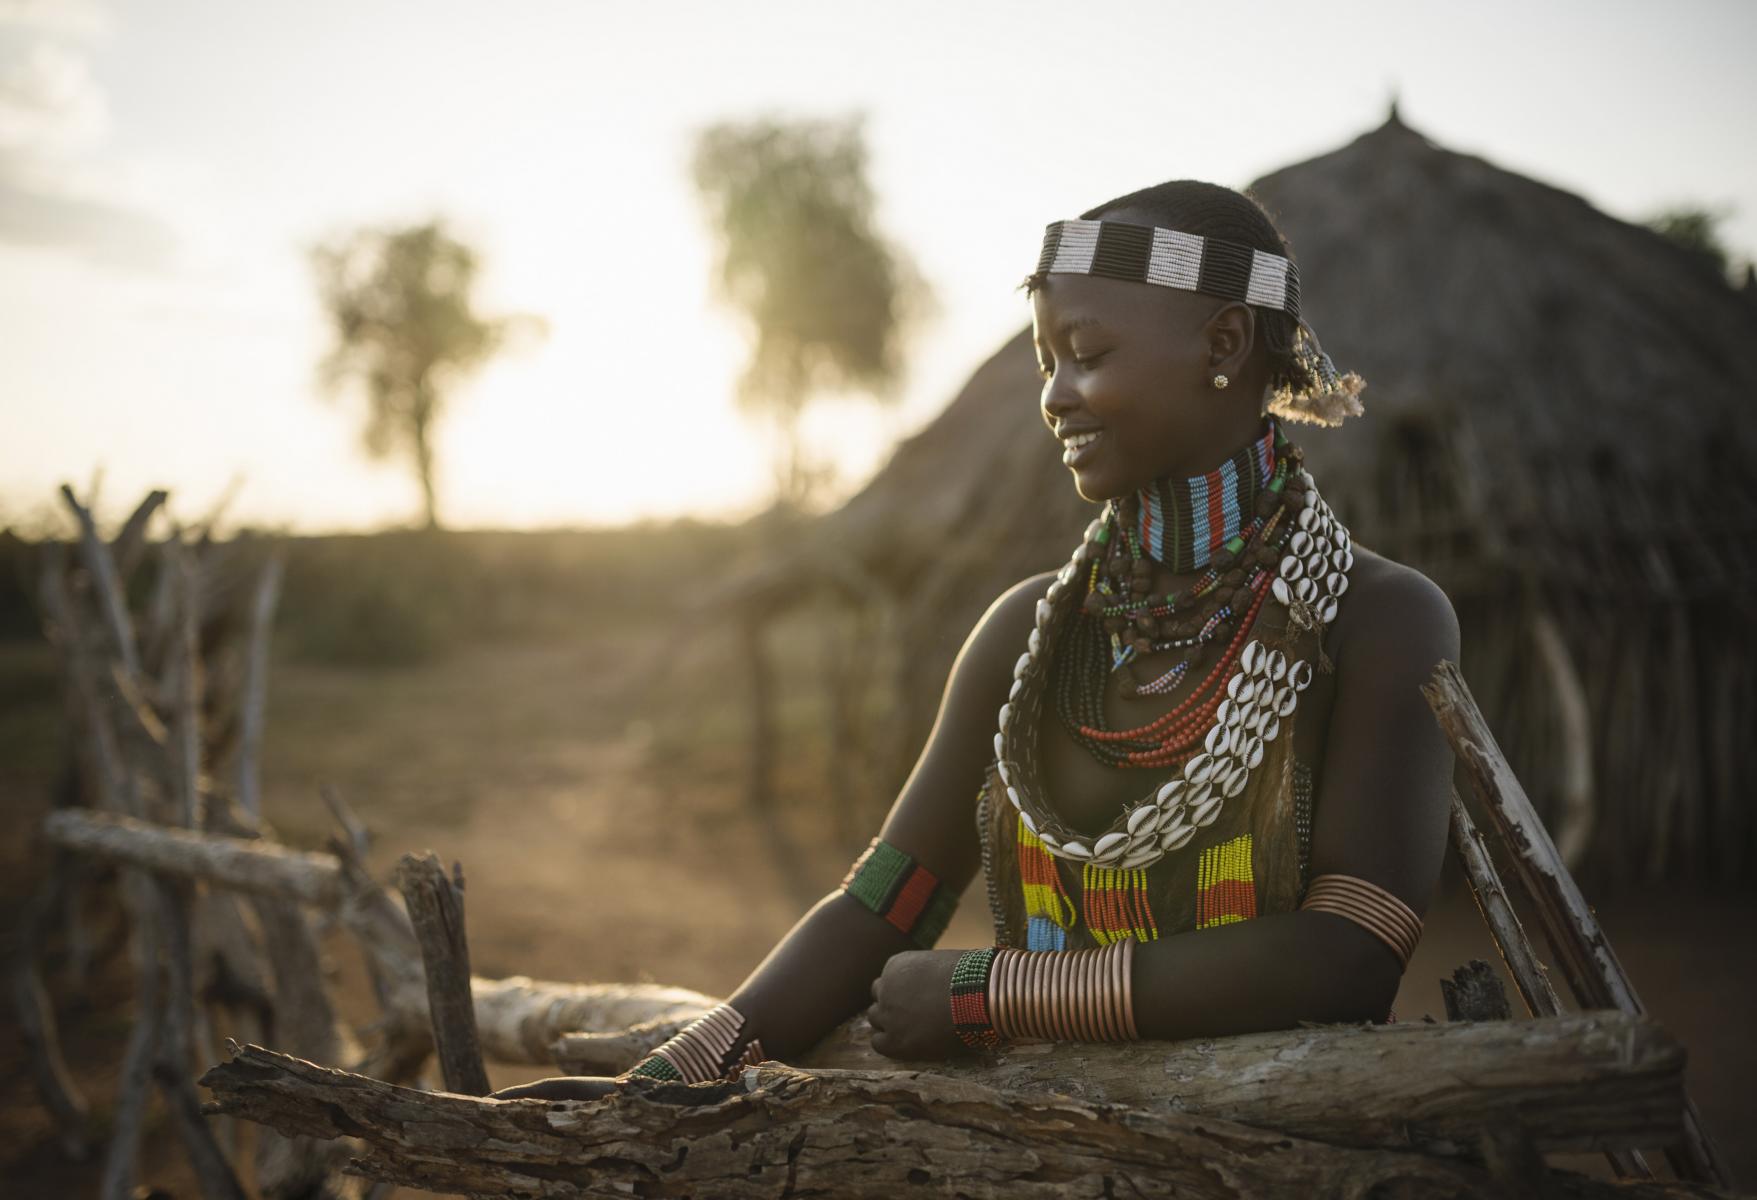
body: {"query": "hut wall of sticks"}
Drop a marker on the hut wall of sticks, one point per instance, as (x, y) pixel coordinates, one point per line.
(1558, 404)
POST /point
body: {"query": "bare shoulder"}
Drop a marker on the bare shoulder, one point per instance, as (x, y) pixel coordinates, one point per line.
(998, 637)
(1394, 618)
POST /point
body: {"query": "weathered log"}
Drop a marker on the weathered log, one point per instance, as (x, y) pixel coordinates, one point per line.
(1579, 1082)
(778, 1130)
(1591, 967)
(436, 909)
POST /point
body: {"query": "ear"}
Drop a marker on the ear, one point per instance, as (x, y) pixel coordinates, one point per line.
(1231, 332)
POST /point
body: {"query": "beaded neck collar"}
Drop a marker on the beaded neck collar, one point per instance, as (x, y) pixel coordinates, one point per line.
(1183, 522)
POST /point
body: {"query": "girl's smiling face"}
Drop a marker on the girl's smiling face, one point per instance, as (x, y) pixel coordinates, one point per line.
(1128, 372)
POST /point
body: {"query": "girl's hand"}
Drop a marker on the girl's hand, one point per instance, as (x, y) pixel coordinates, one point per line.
(560, 1087)
(911, 1013)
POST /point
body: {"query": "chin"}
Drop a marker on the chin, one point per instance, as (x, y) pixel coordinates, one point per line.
(1096, 489)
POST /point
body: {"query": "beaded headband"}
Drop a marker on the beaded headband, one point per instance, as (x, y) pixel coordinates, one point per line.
(1171, 258)
(1214, 267)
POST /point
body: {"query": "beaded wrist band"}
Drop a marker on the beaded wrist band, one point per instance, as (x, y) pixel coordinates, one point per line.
(710, 1047)
(1369, 906)
(908, 895)
(1067, 995)
(970, 1019)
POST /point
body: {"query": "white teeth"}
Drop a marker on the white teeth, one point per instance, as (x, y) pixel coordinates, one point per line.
(1078, 440)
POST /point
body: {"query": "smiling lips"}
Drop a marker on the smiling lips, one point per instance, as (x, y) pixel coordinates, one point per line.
(1077, 446)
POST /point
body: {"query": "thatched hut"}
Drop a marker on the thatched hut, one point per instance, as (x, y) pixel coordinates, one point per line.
(1558, 402)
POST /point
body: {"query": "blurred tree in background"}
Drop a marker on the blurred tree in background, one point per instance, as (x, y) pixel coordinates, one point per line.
(407, 332)
(829, 301)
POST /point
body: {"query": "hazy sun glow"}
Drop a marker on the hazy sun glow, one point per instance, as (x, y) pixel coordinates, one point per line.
(162, 165)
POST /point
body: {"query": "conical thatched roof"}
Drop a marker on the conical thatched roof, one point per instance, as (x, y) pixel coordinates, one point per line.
(1556, 404)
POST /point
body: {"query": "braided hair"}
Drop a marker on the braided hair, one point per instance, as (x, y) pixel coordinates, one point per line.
(1303, 384)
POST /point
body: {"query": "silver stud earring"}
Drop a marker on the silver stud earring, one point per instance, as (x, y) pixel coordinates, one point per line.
(1220, 381)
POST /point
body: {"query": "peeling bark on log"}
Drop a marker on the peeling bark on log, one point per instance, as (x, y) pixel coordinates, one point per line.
(853, 1134)
(1594, 973)
(436, 909)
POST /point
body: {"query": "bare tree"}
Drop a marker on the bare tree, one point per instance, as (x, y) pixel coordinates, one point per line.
(828, 299)
(406, 331)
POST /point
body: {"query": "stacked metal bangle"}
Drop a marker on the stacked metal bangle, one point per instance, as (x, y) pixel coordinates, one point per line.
(1070, 995)
(1369, 906)
(712, 1046)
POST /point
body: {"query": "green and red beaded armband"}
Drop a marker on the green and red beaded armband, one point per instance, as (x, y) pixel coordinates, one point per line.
(971, 1019)
(897, 888)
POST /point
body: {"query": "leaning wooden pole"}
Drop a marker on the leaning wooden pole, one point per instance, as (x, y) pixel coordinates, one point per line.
(1584, 953)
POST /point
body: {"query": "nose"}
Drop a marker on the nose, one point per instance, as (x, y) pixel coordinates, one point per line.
(1058, 400)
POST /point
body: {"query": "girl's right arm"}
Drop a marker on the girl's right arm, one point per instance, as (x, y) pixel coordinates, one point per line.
(821, 972)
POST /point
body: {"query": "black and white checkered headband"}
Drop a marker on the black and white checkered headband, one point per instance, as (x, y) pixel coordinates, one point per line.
(1170, 258)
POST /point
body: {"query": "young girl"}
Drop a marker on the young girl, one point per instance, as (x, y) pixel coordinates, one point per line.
(1210, 798)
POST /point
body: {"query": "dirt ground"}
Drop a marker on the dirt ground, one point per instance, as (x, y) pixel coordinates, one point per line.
(594, 806)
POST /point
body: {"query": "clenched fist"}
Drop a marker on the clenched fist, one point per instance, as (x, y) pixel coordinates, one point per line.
(911, 1011)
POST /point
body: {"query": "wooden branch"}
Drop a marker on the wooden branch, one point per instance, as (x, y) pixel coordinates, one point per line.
(253, 866)
(174, 1058)
(130, 543)
(436, 909)
(1577, 810)
(129, 1110)
(781, 1131)
(254, 701)
(521, 1019)
(111, 601)
(1497, 912)
(1593, 971)
(187, 671)
(35, 1013)
(36, 1027)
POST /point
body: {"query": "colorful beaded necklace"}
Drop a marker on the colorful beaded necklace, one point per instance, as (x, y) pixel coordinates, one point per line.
(1295, 553)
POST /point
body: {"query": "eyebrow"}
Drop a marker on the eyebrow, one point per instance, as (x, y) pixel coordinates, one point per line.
(1075, 324)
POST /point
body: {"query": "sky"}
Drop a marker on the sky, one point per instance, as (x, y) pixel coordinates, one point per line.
(165, 164)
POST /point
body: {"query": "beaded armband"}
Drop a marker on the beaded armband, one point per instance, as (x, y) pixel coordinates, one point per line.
(970, 1015)
(710, 1047)
(904, 893)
